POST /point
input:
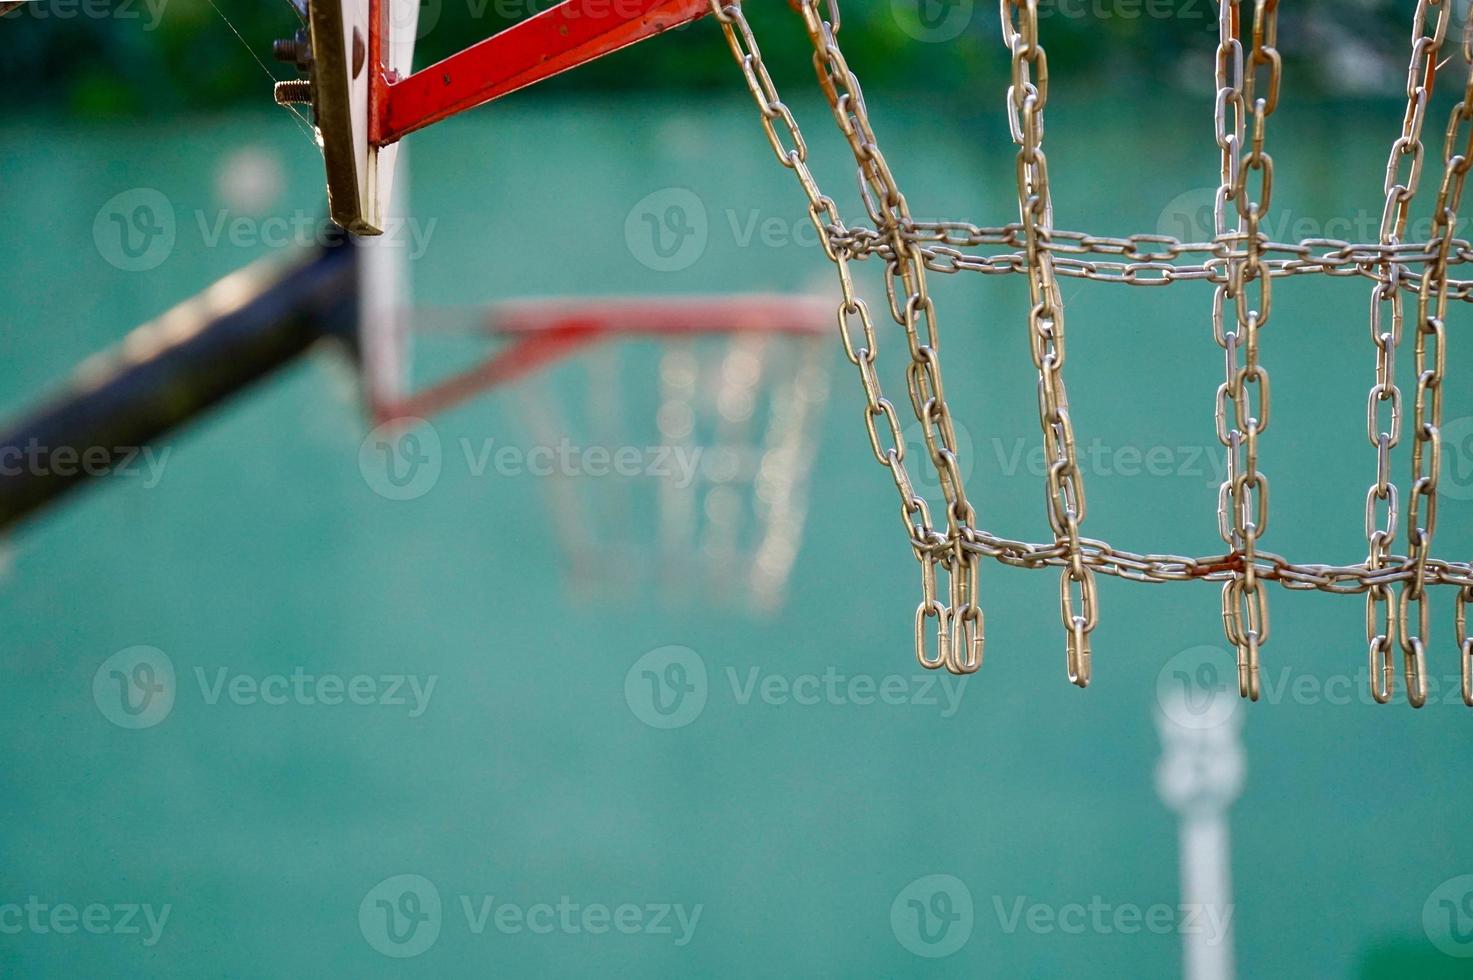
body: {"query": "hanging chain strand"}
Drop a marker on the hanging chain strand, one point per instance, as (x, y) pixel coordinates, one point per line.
(1386, 295)
(1431, 361)
(1243, 496)
(1463, 113)
(1027, 96)
(959, 626)
(906, 271)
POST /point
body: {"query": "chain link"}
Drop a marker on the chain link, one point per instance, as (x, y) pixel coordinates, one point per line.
(1026, 98)
(1387, 295)
(912, 308)
(1431, 364)
(1242, 511)
(959, 626)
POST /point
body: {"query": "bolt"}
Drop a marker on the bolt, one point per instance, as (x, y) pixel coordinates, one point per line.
(296, 90)
(294, 50)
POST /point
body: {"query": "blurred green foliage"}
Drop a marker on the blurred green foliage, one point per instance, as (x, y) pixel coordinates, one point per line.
(111, 57)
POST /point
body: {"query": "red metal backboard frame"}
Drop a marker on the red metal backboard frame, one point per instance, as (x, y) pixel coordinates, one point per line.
(540, 332)
(570, 34)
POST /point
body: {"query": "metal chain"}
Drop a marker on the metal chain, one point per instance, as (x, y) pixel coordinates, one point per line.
(1386, 435)
(1327, 256)
(1242, 511)
(1239, 256)
(1431, 360)
(959, 651)
(1460, 114)
(910, 305)
(1027, 96)
(1228, 131)
(1106, 559)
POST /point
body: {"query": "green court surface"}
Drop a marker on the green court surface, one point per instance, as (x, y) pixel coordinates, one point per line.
(784, 826)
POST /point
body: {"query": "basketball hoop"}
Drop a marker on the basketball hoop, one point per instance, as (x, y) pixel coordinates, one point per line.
(674, 437)
(1240, 260)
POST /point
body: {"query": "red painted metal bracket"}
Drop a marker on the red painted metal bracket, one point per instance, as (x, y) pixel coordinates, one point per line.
(542, 332)
(570, 34)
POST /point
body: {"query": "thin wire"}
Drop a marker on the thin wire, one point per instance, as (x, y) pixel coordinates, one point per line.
(303, 123)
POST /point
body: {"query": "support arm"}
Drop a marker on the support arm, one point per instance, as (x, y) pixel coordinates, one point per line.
(570, 34)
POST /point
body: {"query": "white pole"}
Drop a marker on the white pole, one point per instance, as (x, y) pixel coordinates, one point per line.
(1199, 776)
(383, 296)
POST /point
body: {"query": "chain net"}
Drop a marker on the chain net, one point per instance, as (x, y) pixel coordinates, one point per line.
(1240, 260)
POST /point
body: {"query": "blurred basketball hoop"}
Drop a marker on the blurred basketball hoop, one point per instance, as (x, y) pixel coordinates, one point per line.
(673, 436)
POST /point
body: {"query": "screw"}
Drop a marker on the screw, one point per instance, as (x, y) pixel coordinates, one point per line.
(294, 50)
(296, 90)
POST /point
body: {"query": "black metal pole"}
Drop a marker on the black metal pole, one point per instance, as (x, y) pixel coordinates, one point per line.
(173, 370)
